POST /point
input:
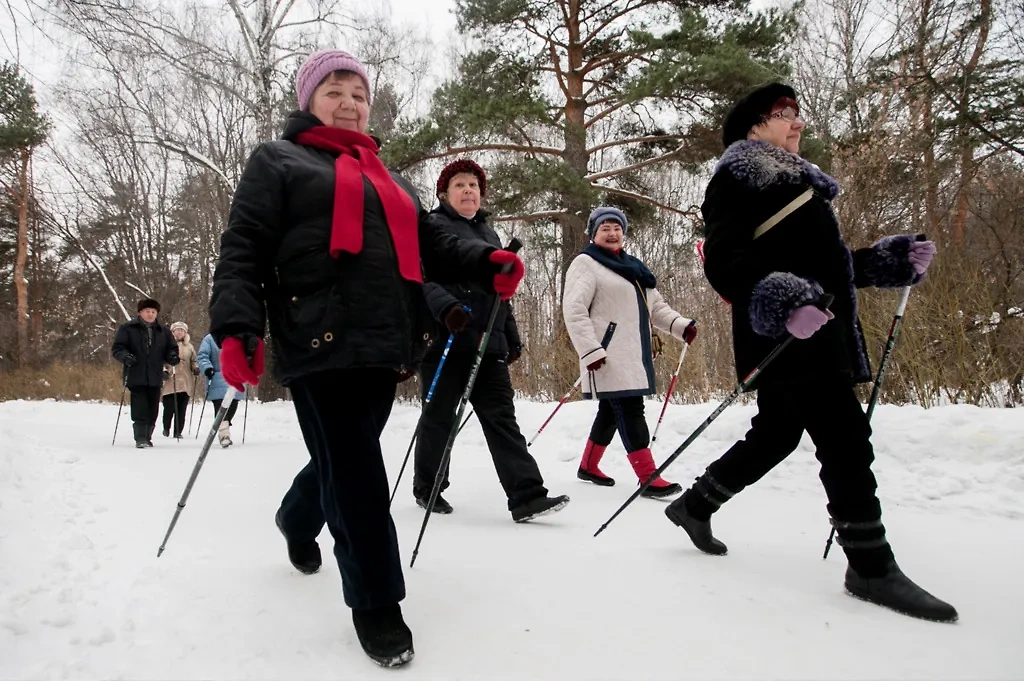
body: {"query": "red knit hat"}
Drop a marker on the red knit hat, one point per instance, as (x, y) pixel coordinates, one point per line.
(463, 165)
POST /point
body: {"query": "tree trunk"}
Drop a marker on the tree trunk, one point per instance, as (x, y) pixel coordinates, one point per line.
(20, 283)
(575, 138)
(964, 130)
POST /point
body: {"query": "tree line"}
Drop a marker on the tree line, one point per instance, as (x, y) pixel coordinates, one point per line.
(915, 106)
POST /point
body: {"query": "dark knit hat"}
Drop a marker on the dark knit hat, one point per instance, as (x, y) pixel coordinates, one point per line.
(603, 214)
(463, 165)
(148, 302)
(752, 109)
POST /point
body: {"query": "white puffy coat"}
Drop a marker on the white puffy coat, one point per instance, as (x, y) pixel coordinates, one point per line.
(595, 297)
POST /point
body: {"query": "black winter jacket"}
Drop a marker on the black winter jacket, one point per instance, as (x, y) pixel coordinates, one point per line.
(791, 265)
(324, 313)
(132, 338)
(441, 298)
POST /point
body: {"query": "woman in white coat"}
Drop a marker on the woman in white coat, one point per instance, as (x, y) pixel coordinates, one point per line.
(609, 305)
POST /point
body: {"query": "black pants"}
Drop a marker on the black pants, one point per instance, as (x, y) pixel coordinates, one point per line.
(626, 415)
(839, 428)
(492, 401)
(231, 409)
(341, 414)
(175, 405)
(145, 411)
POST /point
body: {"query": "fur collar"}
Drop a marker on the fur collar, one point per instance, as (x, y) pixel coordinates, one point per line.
(760, 164)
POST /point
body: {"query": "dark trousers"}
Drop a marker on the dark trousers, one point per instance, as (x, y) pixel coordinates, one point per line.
(341, 414)
(145, 408)
(492, 401)
(625, 415)
(839, 428)
(231, 409)
(175, 405)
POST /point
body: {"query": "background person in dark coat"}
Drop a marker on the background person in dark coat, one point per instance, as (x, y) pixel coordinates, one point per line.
(773, 281)
(460, 187)
(143, 346)
(329, 248)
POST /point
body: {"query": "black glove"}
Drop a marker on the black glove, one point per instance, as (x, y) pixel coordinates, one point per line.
(514, 354)
(209, 372)
(457, 318)
(129, 360)
(195, 371)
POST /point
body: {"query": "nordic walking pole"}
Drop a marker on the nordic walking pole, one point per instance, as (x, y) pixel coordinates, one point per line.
(124, 389)
(245, 416)
(894, 332)
(419, 421)
(202, 410)
(464, 422)
(513, 246)
(557, 407)
(199, 464)
(604, 344)
(668, 394)
(192, 406)
(823, 304)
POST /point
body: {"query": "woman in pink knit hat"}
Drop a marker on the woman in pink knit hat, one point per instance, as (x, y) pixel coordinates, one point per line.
(329, 249)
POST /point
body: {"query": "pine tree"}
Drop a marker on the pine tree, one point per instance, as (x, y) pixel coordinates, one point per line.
(559, 90)
(22, 129)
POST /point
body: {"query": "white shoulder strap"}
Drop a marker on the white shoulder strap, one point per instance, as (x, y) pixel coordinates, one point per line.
(786, 210)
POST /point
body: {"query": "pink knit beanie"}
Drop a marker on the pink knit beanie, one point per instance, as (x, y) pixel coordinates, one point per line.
(321, 64)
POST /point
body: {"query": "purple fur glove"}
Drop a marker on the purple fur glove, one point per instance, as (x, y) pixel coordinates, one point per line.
(804, 321)
(920, 255)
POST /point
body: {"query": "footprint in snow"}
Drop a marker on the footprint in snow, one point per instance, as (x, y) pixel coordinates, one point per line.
(106, 635)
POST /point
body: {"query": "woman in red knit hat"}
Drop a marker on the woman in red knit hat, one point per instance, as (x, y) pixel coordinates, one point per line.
(460, 187)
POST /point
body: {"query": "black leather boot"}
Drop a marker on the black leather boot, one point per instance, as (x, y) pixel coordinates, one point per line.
(874, 576)
(383, 634)
(692, 512)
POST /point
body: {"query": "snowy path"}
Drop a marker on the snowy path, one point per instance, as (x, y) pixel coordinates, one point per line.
(83, 596)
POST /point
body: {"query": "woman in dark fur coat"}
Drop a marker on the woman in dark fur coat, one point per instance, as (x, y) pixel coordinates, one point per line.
(773, 278)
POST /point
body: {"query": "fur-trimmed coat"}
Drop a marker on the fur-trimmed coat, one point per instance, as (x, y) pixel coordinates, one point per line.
(791, 265)
(595, 297)
(182, 378)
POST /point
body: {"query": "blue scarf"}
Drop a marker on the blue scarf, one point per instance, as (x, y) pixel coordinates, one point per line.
(623, 264)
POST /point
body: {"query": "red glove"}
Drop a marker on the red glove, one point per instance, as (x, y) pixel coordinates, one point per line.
(236, 368)
(506, 283)
(690, 332)
(596, 365)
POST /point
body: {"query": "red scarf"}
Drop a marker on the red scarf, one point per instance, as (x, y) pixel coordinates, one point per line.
(357, 156)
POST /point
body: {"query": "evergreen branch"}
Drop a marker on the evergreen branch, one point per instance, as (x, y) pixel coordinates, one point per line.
(559, 74)
(604, 114)
(634, 166)
(522, 148)
(639, 197)
(632, 140)
(994, 136)
(620, 59)
(540, 215)
(613, 18)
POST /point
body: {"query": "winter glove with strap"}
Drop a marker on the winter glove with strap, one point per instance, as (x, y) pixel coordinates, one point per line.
(594, 366)
(514, 354)
(457, 318)
(241, 361)
(690, 332)
(805, 321)
(920, 254)
(510, 272)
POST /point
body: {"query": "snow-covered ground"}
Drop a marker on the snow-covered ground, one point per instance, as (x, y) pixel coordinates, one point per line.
(84, 596)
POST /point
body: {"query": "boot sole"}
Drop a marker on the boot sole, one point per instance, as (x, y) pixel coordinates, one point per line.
(590, 477)
(404, 657)
(662, 492)
(557, 507)
(422, 503)
(901, 611)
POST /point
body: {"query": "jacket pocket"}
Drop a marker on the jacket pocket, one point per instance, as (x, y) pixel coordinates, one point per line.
(308, 324)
